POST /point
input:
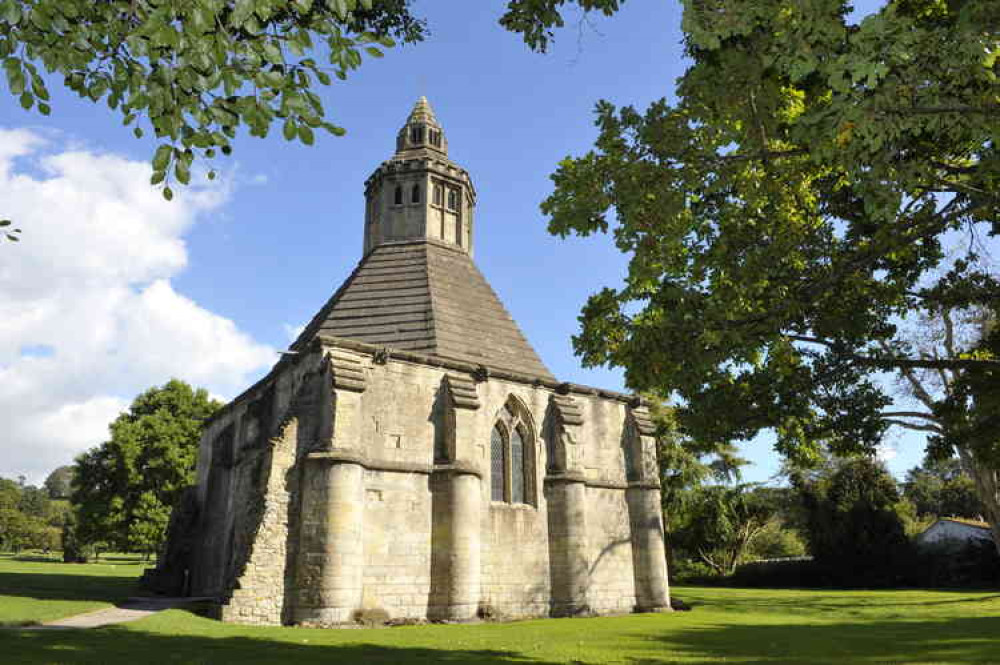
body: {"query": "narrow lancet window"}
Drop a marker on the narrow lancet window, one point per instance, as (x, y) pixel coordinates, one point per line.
(517, 467)
(498, 465)
(415, 194)
(452, 199)
(398, 195)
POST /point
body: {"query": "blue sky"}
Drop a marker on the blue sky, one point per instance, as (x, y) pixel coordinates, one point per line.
(256, 257)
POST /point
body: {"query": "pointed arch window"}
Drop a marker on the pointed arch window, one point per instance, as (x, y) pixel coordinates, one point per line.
(438, 195)
(452, 199)
(415, 194)
(397, 196)
(512, 457)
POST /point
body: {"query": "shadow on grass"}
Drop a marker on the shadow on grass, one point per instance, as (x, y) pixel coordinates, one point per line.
(954, 640)
(843, 601)
(970, 640)
(41, 586)
(110, 646)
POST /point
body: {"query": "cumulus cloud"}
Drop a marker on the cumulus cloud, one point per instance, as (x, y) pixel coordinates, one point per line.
(88, 314)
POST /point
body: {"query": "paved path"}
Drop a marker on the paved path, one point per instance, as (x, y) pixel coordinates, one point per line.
(131, 610)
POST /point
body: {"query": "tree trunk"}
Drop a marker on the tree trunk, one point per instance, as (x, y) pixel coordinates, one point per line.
(987, 488)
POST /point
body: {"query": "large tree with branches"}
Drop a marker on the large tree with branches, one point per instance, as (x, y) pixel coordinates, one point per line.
(194, 72)
(809, 193)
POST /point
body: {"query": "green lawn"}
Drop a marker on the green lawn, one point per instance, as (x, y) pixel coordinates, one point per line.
(748, 627)
(37, 588)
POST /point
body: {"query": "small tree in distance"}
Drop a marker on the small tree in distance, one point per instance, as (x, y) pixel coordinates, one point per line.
(125, 487)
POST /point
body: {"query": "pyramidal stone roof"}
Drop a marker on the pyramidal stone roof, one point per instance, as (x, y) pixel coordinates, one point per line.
(428, 297)
(417, 288)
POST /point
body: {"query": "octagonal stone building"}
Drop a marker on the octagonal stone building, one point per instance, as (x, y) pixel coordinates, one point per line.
(412, 455)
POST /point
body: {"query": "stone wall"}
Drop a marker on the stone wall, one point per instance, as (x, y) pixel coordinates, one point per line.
(352, 482)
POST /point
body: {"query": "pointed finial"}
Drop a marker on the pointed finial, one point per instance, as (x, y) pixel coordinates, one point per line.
(422, 111)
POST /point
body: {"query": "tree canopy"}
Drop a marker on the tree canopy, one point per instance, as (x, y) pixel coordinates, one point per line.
(195, 71)
(125, 488)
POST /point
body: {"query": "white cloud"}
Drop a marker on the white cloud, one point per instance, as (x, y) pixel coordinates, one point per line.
(88, 315)
(293, 332)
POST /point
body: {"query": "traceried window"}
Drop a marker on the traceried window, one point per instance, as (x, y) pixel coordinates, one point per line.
(397, 196)
(452, 199)
(512, 457)
(415, 194)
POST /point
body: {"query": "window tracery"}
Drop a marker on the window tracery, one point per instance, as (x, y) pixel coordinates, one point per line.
(512, 456)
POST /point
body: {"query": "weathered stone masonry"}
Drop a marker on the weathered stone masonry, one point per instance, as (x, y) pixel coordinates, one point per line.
(413, 455)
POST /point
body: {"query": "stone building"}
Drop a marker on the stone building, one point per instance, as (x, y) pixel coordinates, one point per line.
(412, 454)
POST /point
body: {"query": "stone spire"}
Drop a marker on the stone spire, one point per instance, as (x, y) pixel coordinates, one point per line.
(419, 193)
(422, 131)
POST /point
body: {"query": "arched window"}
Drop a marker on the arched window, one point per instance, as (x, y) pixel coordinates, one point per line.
(512, 456)
(415, 194)
(435, 138)
(438, 195)
(452, 199)
(398, 195)
(416, 135)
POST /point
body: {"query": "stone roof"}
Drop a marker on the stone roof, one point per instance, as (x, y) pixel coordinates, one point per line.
(428, 297)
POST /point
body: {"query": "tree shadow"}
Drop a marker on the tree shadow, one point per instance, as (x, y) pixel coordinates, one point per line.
(939, 641)
(42, 586)
(119, 645)
(850, 601)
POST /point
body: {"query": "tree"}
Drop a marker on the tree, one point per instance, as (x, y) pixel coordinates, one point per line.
(723, 523)
(792, 213)
(854, 531)
(196, 71)
(59, 483)
(942, 488)
(122, 485)
(34, 502)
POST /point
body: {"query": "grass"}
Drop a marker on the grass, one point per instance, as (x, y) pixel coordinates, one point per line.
(732, 626)
(35, 588)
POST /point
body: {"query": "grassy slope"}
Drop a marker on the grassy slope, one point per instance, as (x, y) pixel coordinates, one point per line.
(33, 589)
(748, 627)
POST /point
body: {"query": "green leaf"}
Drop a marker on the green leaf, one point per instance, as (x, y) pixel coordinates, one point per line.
(27, 100)
(374, 52)
(5, 222)
(161, 160)
(183, 172)
(168, 193)
(305, 134)
(158, 177)
(211, 175)
(138, 132)
(289, 130)
(15, 77)
(13, 238)
(12, 12)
